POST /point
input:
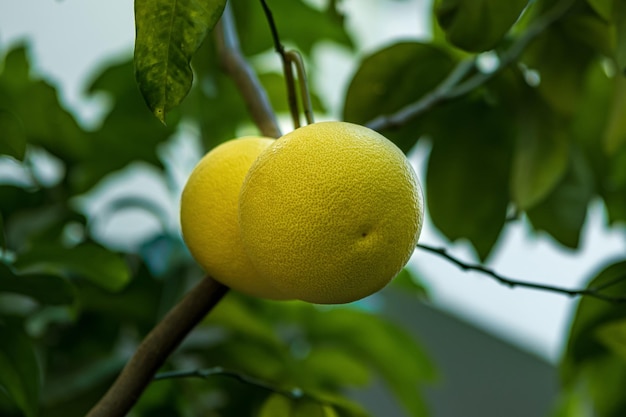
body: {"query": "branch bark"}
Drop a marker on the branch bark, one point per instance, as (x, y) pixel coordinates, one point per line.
(156, 347)
(595, 292)
(169, 333)
(458, 83)
(235, 64)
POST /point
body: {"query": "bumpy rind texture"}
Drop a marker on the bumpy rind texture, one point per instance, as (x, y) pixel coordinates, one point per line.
(330, 212)
(208, 215)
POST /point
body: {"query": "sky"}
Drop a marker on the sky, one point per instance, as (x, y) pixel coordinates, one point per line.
(70, 39)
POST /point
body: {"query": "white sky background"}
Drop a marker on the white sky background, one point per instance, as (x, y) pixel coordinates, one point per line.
(70, 39)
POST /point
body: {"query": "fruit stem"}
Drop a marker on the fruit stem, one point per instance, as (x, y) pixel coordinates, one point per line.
(296, 60)
(243, 75)
(289, 60)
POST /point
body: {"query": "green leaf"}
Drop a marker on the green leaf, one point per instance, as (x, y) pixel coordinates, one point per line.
(393, 78)
(36, 109)
(590, 360)
(168, 33)
(541, 154)
(561, 55)
(335, 367)
(20, 376)
(278, 405)
(467, 184)
(408, 282)
(44, 288)
(477, 25)
(615, 136)
(591, 315)
(374, 341)
(562, 213)
(13, 141)
(88, 261)
(613, 336)
(254, 32)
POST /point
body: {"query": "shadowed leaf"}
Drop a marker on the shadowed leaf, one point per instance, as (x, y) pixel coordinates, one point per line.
(168, 34)
(20, 369)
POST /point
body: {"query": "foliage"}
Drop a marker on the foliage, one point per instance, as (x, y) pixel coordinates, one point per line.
(539, 133)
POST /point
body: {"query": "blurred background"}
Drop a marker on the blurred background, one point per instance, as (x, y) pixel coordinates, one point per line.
(512, 336)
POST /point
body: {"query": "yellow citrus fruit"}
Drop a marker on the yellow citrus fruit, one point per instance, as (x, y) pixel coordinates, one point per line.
(208, 215)
(330, 212)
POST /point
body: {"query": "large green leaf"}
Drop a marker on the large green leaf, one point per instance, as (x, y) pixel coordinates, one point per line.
(541, 154)
(592, 360)
(562, 54)
(35, 111)
(88, 261)
(44, 288)
(280, 405)
(374, 341)
(562, 213)
(393, 78)
(168, 33)
(477, 25)
(13, 141)
(20, 376)
(467, 179)
(128, 132)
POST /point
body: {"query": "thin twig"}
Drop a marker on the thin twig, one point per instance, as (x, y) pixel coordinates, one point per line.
(294, 393)
(240, 71)
(458, 84)
(292, 99)
(156, 347)
(590, 292)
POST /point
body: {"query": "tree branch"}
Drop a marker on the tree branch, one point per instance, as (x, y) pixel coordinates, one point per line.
(156, 347)
(295, 393)
(590, 292)
(454, 86)
(167, 334)
(240, 71)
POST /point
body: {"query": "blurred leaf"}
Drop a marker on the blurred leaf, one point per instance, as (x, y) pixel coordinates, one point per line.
(562, 213)
(274, 85)
(335, 368)
(276, 405)
(3, 241)
(613, 336)
(408, 282)
(591, 315)
(35, 107)
(279, 405)
(88, 261)
(13, 141)
(128, 132)
(562, 71)
(20, 376)
(289, 15)
(477, 25)
(588, 360)
(44, 288)
(390, 351)
(214, 102)
(603, 8)
(467, 186)
(541, 154)
(168, 33)
(391, 79)
(615, 136)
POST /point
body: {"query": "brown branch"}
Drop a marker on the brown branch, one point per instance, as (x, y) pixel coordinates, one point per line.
(167, 334)
(594, 292)
(249, 86)
(156, 347)
(458, 83)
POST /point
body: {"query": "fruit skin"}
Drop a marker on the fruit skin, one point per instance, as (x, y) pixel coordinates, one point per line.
(208, 215)
(330, 212)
